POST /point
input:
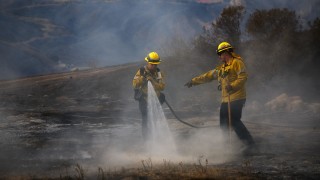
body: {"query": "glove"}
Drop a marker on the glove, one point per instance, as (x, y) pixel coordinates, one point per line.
(189, 84)
(144, 80)
(229, 88)
(149, 78)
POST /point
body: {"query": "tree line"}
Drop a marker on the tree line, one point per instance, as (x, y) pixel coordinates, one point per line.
(272, 41)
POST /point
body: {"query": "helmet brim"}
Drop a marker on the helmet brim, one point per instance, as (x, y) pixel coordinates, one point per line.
(220, 51)
(154, 62)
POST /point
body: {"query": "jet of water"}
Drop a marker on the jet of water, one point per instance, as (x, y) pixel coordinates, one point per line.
(160, 141)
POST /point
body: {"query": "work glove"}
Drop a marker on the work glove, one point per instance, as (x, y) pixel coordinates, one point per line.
(144, 80)
(189, 84)
(229, 88)
(149, 78)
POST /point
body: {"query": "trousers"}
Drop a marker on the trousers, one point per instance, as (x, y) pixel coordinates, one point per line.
(236, 123)
(143, 107)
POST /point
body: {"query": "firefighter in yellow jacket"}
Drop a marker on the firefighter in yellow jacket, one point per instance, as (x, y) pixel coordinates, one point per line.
(232, 77)
(149, 72)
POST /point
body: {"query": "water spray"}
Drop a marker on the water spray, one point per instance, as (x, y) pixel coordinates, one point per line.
(160, 140)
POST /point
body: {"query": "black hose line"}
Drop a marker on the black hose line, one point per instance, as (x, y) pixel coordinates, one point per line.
(180, 119)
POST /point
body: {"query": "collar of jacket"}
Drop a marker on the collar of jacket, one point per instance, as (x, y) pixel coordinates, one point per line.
(228, 63)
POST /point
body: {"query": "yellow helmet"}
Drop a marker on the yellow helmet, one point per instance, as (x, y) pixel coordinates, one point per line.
(224, 46)
(153, 58)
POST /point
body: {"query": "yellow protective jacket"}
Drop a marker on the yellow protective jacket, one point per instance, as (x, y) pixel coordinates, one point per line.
(233, 73)
(157, 81)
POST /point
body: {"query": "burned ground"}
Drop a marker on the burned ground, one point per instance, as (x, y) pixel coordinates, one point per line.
(51, 123)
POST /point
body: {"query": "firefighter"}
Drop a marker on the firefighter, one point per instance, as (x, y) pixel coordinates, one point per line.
(232, 77)
(149, 72)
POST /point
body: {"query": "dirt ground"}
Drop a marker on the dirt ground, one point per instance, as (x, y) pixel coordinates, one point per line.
(80, 124)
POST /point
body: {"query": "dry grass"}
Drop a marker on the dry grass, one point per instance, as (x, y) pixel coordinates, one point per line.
(149, 170)
(169, 170)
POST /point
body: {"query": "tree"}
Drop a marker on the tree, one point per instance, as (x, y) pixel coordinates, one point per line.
(204, 44)
(272, 24)
(315, 32)
(314, 38)
(277, 46)
(225, 28)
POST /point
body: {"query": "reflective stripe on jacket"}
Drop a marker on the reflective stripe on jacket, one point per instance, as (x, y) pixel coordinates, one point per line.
(157, 82)
(233, 73)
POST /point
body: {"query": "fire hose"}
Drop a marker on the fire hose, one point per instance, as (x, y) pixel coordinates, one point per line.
(175, 115)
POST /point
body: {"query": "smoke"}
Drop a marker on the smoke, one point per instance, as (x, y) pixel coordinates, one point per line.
(100, 33)
(291, 104)
(209, 1)
(210, 143)
(126, 148)
(97, 33)
(237, 3)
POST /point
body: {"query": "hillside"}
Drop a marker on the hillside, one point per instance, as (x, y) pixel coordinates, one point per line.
(55, 36)
(49, 36)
